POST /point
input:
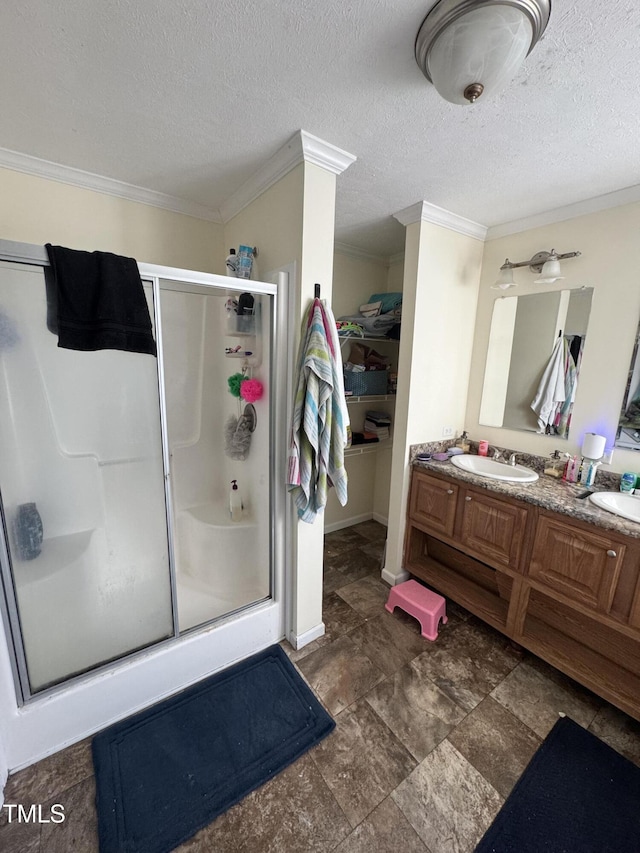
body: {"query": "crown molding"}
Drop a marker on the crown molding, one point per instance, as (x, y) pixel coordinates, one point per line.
(423, 211)
(324, 154)
(360, 254)
(619, 198)
(18, 162)
(301, 147)
(398, 258)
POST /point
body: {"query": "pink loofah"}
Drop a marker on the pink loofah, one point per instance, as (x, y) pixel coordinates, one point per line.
(251, 390)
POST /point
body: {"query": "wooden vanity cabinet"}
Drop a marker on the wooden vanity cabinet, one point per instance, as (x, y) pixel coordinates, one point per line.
(433, 504)
(492, 529)
(583, 565)
(565, 589)
(465, 542)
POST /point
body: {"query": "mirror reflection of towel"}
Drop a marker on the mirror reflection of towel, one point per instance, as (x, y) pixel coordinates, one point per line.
(100, 302)
(551, 389)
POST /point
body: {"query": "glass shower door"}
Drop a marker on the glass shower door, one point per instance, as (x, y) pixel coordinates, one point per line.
(83, 499)
(215, 339)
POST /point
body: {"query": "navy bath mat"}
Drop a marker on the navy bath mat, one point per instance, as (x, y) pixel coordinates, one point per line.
(576, 796)
(165, 773)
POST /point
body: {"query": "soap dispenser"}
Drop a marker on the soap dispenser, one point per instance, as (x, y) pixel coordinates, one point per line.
(463, 442)
(235, 502)
(555, 467)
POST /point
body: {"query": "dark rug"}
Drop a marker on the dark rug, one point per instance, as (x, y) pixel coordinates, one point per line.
(577, 795)
(165, 773)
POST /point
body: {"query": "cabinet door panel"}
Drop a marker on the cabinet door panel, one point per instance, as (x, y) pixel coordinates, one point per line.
(492, 528)
(433, 503)
(581, 564)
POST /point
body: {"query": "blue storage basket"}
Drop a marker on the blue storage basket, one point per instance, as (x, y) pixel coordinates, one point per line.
(366, 383)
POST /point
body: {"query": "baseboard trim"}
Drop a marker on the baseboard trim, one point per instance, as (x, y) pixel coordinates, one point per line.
(348, 522)
(394, 580)
(298, 641)
(381, 519)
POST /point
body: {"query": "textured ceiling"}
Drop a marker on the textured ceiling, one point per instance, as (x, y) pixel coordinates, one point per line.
(189, 98)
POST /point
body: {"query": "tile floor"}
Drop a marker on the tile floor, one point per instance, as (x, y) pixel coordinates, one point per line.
(430, 737)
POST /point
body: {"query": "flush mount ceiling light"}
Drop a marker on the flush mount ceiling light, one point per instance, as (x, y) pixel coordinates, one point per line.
(469, 48)
(545, 263)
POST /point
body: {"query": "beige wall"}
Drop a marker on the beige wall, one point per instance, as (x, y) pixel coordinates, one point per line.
(610, 263)
(395, 275)
(37, 210)
(362, 483)
(441, 276)
(272, 223)
(354, 281)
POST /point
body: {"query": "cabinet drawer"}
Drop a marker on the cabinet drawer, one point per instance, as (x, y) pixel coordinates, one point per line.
(581, 564)
(433, 503)
(492, 529)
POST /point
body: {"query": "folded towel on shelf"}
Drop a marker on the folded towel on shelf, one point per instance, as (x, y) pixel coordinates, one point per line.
(389, 301)
(371, 309)
(99, 302)
(364, 438)
(349, 330)
(381, 433)
(380, 418)
(373, 326)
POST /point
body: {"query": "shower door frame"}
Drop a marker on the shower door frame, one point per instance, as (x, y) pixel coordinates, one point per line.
(273, 611)
(210, 282)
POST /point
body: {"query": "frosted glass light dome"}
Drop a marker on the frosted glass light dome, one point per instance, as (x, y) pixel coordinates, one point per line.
(473, 48)
(486, 46)
(550, 271)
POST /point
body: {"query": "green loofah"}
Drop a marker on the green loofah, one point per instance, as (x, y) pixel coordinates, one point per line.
(234, 383)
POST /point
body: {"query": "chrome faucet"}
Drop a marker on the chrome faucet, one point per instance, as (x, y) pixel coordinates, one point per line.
(497, 456)
(512, 460)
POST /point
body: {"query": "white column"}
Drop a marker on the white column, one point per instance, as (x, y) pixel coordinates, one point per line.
(288, 211)
(443, 259)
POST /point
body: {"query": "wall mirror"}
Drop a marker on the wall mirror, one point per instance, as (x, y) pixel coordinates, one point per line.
(628, 434)
(533, 359)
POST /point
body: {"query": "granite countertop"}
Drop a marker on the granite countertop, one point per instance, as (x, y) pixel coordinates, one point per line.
(552, 494)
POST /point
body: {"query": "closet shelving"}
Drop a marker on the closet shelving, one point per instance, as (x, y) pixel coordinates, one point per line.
(389, 346)
(374, 447)
(370, 398)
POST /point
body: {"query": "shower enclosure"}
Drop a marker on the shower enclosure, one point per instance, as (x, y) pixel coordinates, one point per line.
(116, 469)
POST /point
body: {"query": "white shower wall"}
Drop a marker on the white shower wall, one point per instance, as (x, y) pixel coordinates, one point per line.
(84, 445)
(221, 565)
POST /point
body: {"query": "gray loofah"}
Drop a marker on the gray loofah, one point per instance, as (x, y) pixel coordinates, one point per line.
(237, 437)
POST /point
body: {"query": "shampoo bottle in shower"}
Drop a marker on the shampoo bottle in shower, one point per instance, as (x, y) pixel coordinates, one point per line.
(232, 263)
(235, 502)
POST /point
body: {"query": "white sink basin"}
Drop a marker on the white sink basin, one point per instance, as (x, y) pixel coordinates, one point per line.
(484, 467)
(627, 506)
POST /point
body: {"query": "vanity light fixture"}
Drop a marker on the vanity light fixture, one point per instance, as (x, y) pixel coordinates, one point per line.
(470, 48)
(545, 263)
(550, 271)
(505, 279)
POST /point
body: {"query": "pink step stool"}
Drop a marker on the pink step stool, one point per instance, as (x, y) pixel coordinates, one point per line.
(426, 606)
